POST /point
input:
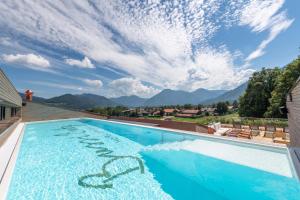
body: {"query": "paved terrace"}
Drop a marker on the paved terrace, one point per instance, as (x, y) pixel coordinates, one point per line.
(40, 112)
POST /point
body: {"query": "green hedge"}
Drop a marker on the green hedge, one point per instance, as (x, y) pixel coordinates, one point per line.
(234, 118)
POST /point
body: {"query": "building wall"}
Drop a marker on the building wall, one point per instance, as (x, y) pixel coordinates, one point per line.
(293, 105)
(8, 93)
(7, 111)
(9, 99)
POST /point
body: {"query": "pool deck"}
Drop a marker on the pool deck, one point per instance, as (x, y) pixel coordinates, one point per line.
(131, 122)
(40, 112)
(8, 153)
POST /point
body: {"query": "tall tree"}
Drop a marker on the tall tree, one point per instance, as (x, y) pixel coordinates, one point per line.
(222, 108)
(283, 84)
(187, 106)
(235, 104)
(255, 101)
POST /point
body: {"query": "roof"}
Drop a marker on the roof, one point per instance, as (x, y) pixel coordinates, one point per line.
(184, 115)
(8, 93)
(169, 110)
(190, 111)
(208, 109)
(289, 94)
(129, 110)
(295, 84)
(156, 112)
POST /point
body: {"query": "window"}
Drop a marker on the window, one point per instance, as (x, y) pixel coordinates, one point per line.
(2, 113)
(13, 112)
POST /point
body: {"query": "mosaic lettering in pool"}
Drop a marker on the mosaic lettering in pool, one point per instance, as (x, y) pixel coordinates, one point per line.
(101, 151)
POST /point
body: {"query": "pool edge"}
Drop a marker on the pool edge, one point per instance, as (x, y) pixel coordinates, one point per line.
(8, 173)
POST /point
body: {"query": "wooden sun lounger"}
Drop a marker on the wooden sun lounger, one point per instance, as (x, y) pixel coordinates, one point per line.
(280, 137)
(254, 130)
(245, 134)
(233, 132)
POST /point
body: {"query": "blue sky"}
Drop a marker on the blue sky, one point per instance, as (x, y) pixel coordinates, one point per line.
(139, 47)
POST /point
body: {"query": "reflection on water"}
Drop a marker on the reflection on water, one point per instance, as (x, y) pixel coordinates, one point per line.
(202, 177)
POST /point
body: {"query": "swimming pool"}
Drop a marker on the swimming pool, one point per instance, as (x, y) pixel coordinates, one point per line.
(96, 159)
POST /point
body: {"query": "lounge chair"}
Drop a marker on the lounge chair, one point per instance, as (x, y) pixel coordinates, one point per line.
(245, 134)
(270, 131)
(254, 130)
(280, 137)
(233, 132)
(237, 128)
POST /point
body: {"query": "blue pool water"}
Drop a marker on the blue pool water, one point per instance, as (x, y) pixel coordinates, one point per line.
(92, 159)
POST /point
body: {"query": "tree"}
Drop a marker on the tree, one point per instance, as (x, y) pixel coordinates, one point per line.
(222, 108)
(283, 84)
(235, 104)
(188, 106)
(255, 101)
(199, 106)
(161, 112)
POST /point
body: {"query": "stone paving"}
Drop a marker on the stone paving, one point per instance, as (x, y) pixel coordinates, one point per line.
(40, 112)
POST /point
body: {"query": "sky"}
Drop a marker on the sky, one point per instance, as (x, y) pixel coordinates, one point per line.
(140, 47)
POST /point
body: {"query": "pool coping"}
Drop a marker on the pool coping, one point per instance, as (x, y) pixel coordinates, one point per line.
(8, 172)
(294, 154)
(4, 187)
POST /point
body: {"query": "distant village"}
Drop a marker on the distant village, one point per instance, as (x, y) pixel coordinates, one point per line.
(168, 112)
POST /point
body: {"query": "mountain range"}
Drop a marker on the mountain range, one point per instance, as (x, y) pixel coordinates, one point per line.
(130, 101)
(179, 97)
(76, 101)
(165, 97)
(230, 95)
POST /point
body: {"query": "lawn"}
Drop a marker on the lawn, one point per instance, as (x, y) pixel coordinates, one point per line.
(232, 118)
(226, 119)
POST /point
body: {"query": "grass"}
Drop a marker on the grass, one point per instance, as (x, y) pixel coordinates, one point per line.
(232, 118)
(226, 119)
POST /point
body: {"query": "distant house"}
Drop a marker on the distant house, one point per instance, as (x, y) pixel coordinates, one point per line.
(188, 113)
(143, 113)
(170, 111)
(155, 113)
(127, 112)
(208, 110)
(230, 107)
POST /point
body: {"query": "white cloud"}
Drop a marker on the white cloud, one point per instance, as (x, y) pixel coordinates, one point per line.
(282, 23)
(171, 39)
(84, 63)
(260, 14)
(211, 66)
(27, 59)
(93, 83)
(264, 15)
(130, 86)
(57, 85)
